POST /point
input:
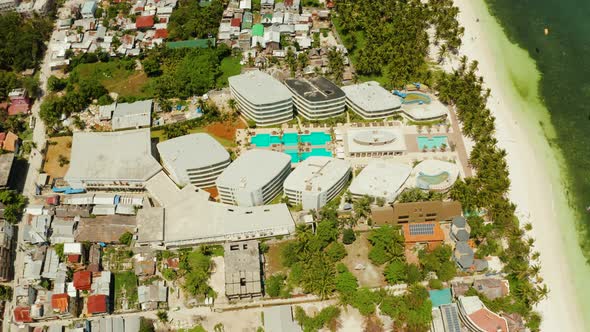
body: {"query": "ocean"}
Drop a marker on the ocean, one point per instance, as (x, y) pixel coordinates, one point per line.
(562, 54)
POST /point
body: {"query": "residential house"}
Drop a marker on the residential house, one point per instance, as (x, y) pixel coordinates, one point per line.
(144, 22)
(37, 230)
(242, 270)
(97, 304)
(465, 257)
(145, 265)
(9, 142)
(83, 280)
(492, 288)
(62, 231)
(88, 9)
(132, 115)
(152, 296)
(272, 38)
(428, 234)
(101, 283)
(460, 229)
(267, 4)
(22, 314)
(247, 20)
(19, 102)
(51, 265)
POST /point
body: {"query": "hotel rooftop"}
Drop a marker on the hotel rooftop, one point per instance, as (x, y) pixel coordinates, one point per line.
(315, 89)
(317, 174)
(371, 100)
(253, 169)
(383, 179)
(259, 88)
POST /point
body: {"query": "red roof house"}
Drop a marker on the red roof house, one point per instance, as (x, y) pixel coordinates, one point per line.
(22, 315)
(60, 302)
(52, 200)
(73, 258)
(10, 142)
(161, 33)
(83, 280)
(97, 304)
(19, 102)
(236, 22)
(144, 22)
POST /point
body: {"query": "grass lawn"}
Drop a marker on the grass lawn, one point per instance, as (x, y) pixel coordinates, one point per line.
(273, 258)
(125, 288)
(116, 77)
(230, 66)
(63, 148)
(161, 136)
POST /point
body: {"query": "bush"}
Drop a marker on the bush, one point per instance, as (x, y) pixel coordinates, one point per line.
(126, 238)
(435, 284)
(274, 284)
(348, 236)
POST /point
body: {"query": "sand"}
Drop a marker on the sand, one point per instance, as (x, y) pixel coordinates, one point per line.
(535, 172)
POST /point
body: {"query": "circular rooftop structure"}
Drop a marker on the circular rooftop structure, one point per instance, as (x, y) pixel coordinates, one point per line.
(374, 137)
(435, 175)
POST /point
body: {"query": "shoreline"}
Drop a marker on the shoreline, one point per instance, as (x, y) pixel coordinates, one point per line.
(522, 128)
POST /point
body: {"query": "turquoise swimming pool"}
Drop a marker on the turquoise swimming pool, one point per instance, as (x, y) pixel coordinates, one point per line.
(435, 142)
(296, 157)
(290, 139)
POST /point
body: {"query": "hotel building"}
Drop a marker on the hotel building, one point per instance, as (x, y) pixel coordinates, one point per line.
(197, 159)
(316, 181)
(255, 178)
(317, 98)
(371, 101)
(261, 98)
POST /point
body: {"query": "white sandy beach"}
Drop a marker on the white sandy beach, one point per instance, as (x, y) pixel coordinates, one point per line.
(534, 172)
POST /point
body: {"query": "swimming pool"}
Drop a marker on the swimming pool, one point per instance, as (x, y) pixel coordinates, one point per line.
(435, 142)
(298, 157)
(416, 98)
(290, 139)
(424, 181)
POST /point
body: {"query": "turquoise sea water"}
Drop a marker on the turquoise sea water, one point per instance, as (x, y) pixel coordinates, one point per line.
(562, 57)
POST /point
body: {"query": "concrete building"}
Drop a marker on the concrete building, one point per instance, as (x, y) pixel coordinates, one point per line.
(371, 101)
(151, 296)
(187, 217)
(111, 160)
(8, 5)
(243, 276)
(132, 115)
(255, 178)
(382, 179)
(374, 142)
(316, 181)
(197, 159)
(6, 253)
(261, 98)
(6, 161)
(317, 98)
(403, 213)
(477, 318)
(280, 318)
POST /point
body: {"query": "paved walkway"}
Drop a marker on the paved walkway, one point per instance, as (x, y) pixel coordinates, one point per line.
(457, 137)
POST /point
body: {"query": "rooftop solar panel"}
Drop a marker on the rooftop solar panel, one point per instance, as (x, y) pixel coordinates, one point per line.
(451, 318)
(421, 229)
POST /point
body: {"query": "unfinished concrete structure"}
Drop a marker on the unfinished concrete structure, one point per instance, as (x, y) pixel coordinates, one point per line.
(242, 270)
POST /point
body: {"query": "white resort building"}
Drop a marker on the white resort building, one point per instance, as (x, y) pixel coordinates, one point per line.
(316, 181)
(381, 179)
(374, 142)
(197, 159)
(261, 98)
(119, 160)
(371, 101)
(316, 98)
(255, 178)
(437, 175)
(187, 217)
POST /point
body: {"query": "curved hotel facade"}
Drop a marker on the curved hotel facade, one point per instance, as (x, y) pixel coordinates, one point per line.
(317, 98)
(255, 178)
(371, 101)
(261, 98)
(316, 181)
(197, 159)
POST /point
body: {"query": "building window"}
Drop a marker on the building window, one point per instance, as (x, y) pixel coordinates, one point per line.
(242, 281)
(234, 247)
